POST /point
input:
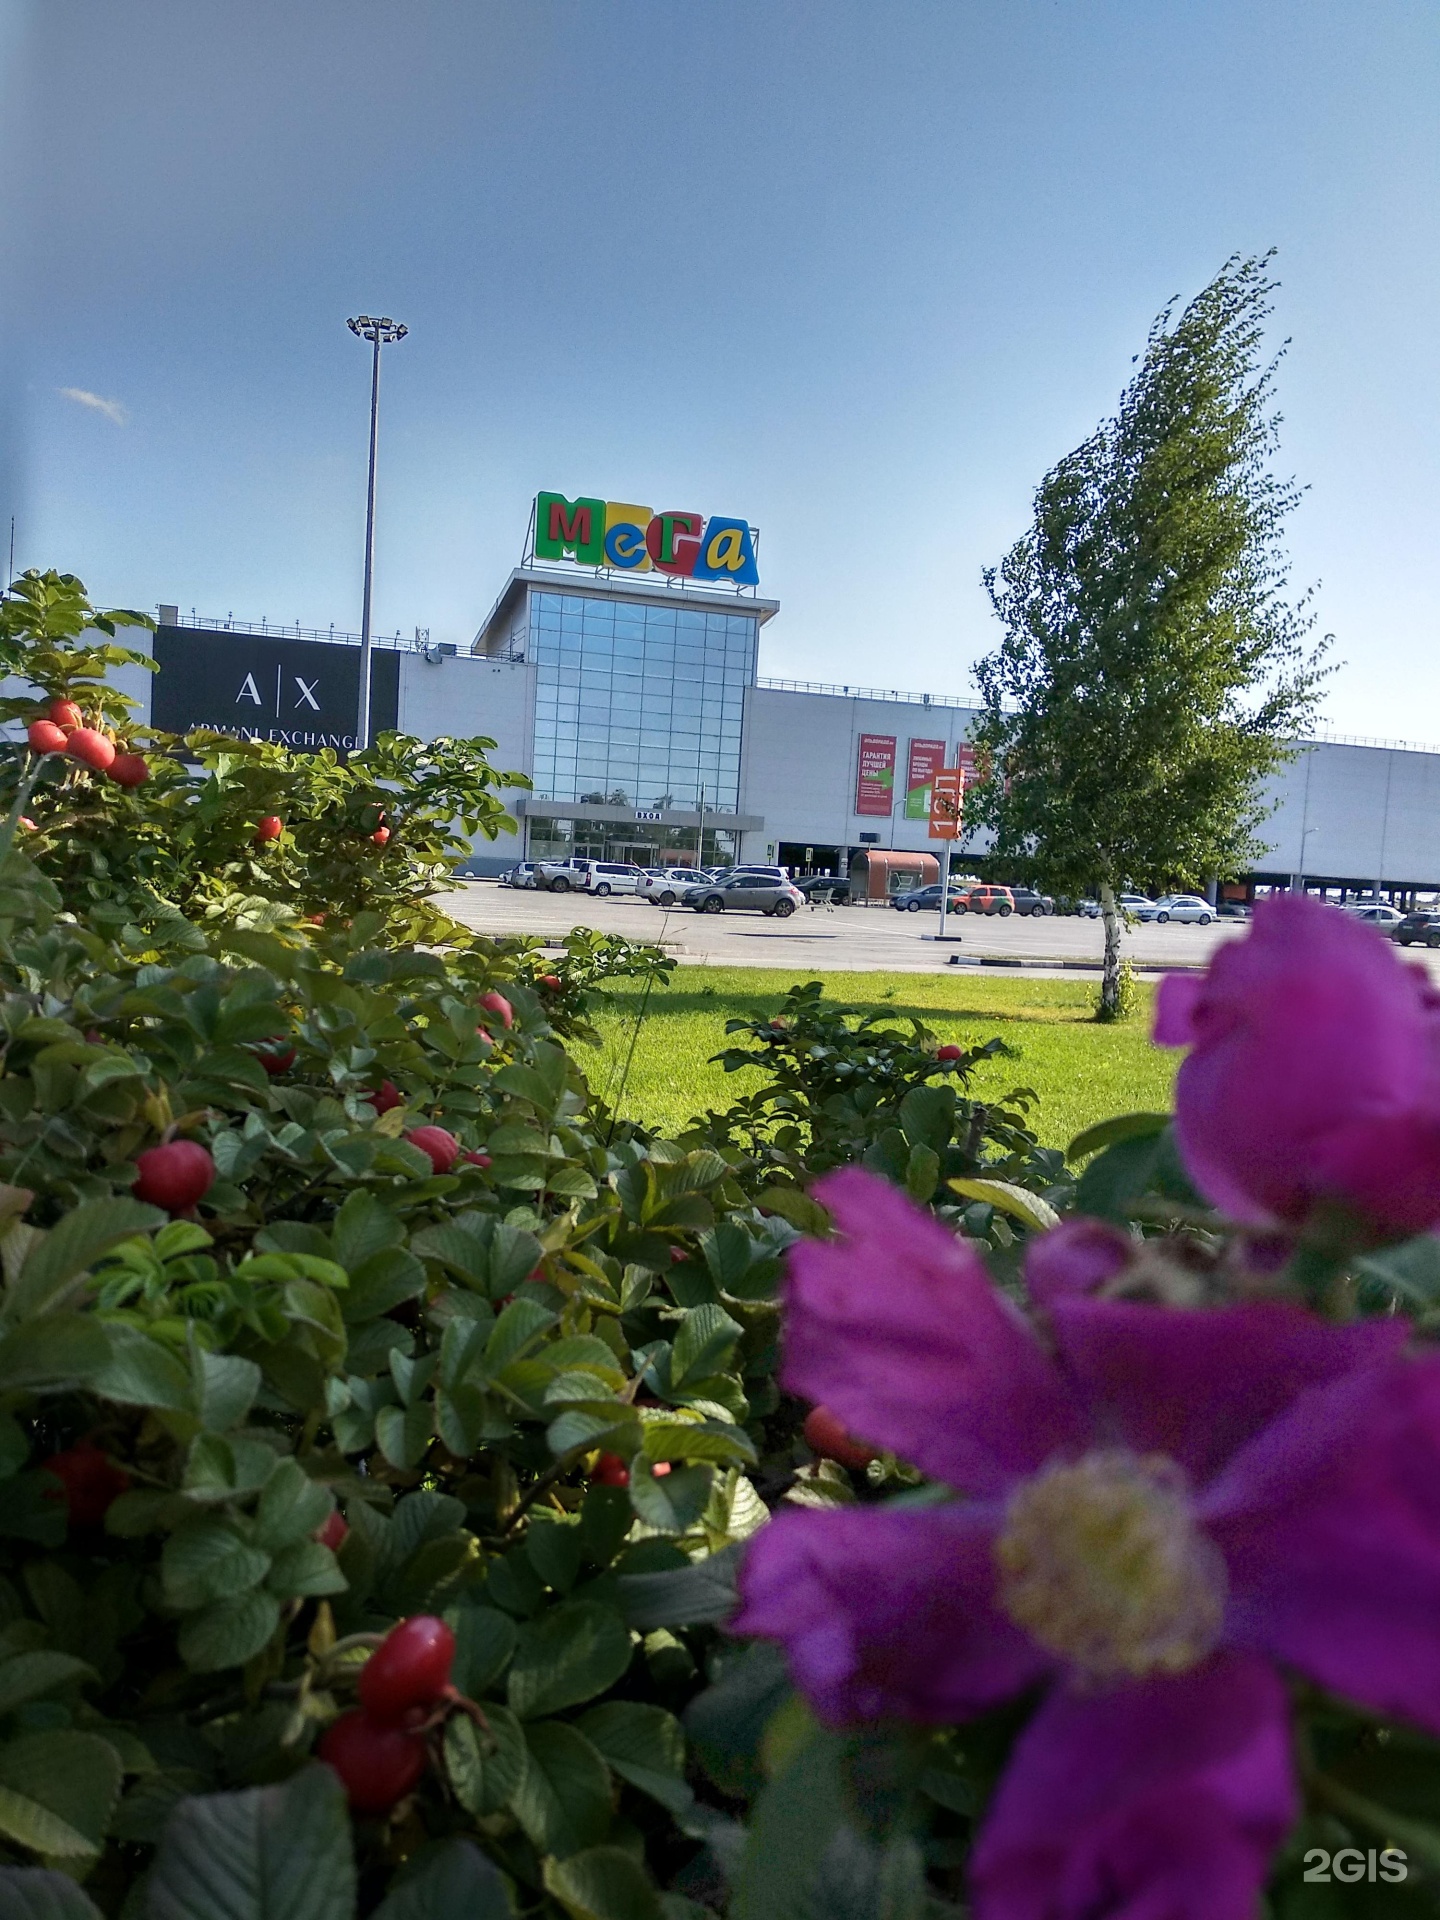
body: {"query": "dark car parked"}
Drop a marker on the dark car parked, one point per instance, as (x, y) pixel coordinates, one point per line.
(822, 887)
(1027, 900)
(1424, 927)
(923, 899)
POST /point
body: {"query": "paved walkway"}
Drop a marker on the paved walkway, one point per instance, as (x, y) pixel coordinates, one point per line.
(832, 939)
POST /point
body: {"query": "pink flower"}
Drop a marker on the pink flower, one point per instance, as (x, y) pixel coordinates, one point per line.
(1078, 1256)
(1160, 1513)
(1313, 1080)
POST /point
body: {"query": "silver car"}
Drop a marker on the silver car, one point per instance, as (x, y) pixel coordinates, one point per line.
(1183, 906)
(761, 892)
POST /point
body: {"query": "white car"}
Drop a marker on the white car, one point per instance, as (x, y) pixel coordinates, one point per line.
(560, 876)
(1183, 906)
(1375, 913)
(611, 876)
(668, 885)
(522, 874)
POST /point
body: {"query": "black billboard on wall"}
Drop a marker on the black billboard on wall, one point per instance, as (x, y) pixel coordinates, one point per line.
(301, 694)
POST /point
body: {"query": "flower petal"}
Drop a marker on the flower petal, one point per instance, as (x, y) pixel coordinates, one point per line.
(1175, 1000)
(897, 1328)
(1196, 1384)
(885, 1612)
(1330, 1527)
(1159, 1801)
(1078, 1256)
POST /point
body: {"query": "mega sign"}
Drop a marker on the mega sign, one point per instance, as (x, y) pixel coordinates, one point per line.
(611, 533)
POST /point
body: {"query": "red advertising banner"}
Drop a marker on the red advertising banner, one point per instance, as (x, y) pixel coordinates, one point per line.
(875, 778)
(947, 803)
(927, 757)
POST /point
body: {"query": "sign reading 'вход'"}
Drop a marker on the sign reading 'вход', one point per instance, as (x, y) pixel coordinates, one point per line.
(610, 533)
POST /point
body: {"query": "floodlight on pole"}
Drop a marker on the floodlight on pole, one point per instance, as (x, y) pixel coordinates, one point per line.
(382, 332)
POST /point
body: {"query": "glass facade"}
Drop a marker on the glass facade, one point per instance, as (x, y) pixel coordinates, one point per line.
(638, 704)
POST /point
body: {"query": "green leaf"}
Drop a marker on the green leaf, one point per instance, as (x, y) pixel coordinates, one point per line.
(450, 1881)
(1018, 1202)
(484, 1642)
(796, 1207)
(791, 1827)
(644, 1745)
(1124, 1126)
(140, 1372)
(57, 1792)
(404, 1433)
(484, 1768)
(704, 1343)
(229, 1634)
(292, 1507)
(603, 1883)
(672, 1503)
(567, 1656)
(922, 1170)
(563, 1799)
(270, 1853)
(209, 1561)
(32, 1893)
(56, 1350)
(519, 1326)
(927, 1117)
(72, 1247)
(226, 1387)
(703, 1594)
(28, 1675)
(305, 1570)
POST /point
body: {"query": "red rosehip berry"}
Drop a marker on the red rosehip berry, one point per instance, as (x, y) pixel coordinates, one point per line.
(275, 1056)
(333, 1531)
(948, 1053)
(610, 1471)
(173, 1176)
(28, 823)
(497, 1004)
(377, 1764)
(91, 749)
(386, 1096)
(45, 737)
(410, 1668)
(826, 1435)
(550, 982)
(440, 1147)
(65, 713)
(476, 1159)
(486, 1035)
(91, 1481)
(129, 769)
(380, 836)
(268, 829)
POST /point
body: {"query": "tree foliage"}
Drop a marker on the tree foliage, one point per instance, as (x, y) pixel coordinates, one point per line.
(1154, 668)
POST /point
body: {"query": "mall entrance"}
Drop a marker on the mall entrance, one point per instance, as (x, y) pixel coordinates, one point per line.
(655, 846)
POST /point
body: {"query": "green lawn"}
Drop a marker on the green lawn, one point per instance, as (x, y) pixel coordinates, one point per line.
(1082, 1072)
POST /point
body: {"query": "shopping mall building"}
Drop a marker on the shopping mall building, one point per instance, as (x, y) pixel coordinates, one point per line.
(619, 667)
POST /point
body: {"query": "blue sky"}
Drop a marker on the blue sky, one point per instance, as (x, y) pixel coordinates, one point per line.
(858, 273)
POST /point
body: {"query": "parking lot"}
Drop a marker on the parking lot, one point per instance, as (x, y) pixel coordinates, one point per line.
(863, 939)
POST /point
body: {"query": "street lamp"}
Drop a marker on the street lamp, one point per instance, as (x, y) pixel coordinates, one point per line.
(380, 333)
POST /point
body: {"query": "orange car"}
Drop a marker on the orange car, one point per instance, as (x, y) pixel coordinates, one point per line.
(986, 900)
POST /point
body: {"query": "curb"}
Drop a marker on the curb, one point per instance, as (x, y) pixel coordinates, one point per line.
(1075, 966)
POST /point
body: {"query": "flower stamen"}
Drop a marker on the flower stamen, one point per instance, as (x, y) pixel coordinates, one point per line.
(1102, 1563)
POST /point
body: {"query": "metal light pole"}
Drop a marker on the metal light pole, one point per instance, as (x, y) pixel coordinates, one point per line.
(380, 333)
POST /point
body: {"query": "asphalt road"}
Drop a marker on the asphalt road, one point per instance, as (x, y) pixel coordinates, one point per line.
(835, 939)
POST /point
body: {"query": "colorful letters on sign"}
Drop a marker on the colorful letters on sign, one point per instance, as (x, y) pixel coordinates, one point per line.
(610, 533)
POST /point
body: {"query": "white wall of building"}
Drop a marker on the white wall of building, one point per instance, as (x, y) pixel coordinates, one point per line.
(463, 695)
(801, 756)
(1361, 813)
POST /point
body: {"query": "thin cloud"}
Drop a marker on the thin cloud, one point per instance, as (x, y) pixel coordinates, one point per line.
(111, 409)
